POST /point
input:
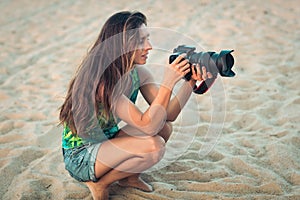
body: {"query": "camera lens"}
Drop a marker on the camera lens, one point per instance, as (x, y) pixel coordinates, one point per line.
(215, 63)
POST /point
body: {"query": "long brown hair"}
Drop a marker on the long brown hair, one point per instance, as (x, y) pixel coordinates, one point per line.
(110, 58)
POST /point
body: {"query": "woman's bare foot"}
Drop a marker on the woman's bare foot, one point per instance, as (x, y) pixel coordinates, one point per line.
(135, 182)
(99, 192)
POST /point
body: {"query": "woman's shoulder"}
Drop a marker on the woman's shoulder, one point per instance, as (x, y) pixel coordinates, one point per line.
(144, 74)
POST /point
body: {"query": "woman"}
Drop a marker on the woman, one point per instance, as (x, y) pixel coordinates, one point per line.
(102, 93)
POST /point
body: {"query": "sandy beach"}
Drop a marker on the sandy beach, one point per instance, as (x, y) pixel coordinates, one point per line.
(240, 140)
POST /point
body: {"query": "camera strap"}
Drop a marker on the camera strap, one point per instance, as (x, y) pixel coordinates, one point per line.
(204, 85)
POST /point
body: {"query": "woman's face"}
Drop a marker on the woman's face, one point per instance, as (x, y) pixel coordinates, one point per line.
(141, 53)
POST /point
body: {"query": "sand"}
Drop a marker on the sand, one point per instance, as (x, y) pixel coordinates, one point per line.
(241, 140)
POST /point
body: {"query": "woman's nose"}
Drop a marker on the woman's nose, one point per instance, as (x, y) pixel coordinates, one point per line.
(148, 45)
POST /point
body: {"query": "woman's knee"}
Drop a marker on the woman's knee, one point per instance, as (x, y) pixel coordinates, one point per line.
(156, 148)
(157, 143)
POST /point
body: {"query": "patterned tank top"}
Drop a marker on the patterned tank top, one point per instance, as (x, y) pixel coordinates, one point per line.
(110, 126)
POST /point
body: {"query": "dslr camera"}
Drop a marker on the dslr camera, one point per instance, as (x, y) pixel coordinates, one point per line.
(215, 63)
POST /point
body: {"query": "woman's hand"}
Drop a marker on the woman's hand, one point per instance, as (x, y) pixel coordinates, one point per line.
(176, 70)
(197, 75)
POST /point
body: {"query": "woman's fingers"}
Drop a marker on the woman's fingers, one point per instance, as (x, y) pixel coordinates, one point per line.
(183, 70)
(209, 75)
(204, 73)
(178, 59)
(182, 64)
(200, 74)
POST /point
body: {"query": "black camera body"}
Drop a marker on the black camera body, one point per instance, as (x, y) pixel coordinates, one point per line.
(215, 63)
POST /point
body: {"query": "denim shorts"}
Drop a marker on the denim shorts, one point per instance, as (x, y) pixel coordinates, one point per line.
(80, 162)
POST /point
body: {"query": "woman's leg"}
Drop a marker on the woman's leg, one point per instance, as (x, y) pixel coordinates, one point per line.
(122, 157)
(135, 180)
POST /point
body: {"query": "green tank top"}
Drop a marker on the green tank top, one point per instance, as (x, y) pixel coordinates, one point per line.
(110, 126)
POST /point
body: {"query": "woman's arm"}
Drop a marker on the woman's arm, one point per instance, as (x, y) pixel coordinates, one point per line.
(179, 100)
(153, 119)
(149, 90)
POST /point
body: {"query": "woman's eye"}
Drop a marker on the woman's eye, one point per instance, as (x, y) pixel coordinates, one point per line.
(142, 40)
